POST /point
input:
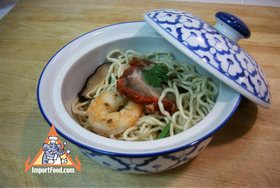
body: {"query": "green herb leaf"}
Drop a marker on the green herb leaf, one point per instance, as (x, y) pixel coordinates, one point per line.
(165, 132)
(156, 76)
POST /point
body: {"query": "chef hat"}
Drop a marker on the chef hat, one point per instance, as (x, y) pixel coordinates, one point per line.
(53, 139)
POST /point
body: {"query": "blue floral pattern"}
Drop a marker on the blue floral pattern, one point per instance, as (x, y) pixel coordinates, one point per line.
(216, 50)
(151, 164)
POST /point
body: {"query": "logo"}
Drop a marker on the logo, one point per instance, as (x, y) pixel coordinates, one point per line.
(53, 157)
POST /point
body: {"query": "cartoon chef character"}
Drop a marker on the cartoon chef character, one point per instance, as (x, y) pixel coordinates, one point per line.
(52, 151)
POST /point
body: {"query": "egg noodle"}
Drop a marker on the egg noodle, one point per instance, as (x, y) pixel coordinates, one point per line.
(193, 104)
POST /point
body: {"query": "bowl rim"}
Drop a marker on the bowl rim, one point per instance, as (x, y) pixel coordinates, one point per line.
(112, 153)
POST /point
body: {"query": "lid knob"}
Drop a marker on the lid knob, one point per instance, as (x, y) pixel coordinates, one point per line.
(231, 26)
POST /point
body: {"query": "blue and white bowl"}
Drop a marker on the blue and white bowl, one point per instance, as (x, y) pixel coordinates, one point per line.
(65, 74)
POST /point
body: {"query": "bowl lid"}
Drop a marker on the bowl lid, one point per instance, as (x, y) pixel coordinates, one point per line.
(214, 48)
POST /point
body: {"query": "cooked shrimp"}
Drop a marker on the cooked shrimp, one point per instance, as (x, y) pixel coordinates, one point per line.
(111, 114)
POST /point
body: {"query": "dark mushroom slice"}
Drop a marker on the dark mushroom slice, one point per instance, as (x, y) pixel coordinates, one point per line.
(93, 81)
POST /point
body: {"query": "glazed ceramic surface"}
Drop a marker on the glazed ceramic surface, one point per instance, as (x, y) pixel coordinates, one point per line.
(152, 164)
(57, 90)
(215, 49)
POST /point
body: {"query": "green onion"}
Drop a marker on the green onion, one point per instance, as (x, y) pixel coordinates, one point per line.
(165, 132)
(110, 79)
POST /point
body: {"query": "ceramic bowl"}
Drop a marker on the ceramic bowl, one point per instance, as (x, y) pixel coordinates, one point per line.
(65, 74)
